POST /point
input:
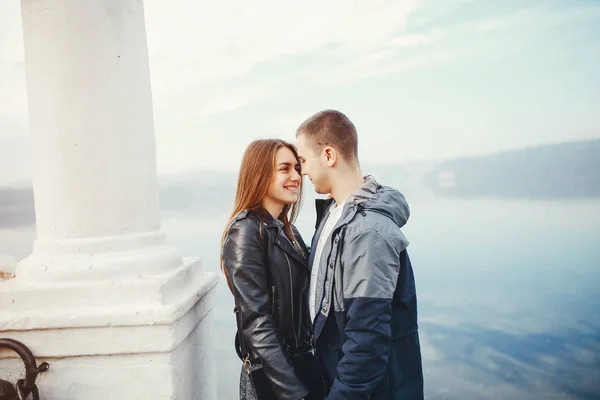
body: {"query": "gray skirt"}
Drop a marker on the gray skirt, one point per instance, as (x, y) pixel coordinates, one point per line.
(246, 389)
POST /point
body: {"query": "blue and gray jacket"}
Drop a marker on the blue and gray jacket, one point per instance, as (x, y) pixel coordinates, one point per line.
(365, 330)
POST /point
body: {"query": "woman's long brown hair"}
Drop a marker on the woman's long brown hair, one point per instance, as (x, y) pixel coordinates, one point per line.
(257, 171)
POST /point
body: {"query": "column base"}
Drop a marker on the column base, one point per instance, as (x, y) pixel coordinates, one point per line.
(141, 338)
(98, 259)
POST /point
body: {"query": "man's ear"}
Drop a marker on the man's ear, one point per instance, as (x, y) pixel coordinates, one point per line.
(330, 156)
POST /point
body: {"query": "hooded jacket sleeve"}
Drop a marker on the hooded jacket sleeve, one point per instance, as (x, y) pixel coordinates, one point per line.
(244, 260)
(370, 273)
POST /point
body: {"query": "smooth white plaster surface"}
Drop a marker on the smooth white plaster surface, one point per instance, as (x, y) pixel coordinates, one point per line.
(114, 310)
(91, 121)
(152, 351)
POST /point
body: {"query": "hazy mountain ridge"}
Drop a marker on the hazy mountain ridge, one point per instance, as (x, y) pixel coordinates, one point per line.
(555, 171)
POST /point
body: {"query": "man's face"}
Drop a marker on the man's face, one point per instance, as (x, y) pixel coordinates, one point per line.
(313, 165)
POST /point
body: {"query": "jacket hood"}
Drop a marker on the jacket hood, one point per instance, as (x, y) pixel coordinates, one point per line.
(381, 199)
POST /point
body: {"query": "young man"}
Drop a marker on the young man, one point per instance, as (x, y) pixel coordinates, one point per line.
(362, 296)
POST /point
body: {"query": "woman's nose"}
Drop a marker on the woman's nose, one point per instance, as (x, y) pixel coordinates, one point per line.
(295, 176)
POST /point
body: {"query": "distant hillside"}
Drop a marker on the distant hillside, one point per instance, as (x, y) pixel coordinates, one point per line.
(16, 207)
(207, 195)
(567, 170)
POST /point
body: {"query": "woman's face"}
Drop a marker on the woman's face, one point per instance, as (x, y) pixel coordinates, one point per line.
(286, 183)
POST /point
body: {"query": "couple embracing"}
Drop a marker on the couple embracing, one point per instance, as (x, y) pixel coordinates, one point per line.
(336, 320)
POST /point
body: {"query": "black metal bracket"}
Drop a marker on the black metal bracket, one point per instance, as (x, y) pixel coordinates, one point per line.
(25, 386)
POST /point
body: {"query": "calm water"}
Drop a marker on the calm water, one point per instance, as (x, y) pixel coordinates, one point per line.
(509, 294)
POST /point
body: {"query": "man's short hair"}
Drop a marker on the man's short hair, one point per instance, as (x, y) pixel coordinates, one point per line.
(331, 128)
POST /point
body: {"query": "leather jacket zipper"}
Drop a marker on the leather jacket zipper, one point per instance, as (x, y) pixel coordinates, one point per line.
(292, 298)
(274, 306)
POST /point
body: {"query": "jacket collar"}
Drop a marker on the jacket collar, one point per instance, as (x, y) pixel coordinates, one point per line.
(281, 239)
(322, 205)
(266, 218)
(365, 192)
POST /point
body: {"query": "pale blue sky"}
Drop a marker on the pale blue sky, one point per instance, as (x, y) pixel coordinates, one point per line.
(421, 79)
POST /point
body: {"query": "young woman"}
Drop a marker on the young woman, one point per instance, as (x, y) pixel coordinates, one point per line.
(265, 262)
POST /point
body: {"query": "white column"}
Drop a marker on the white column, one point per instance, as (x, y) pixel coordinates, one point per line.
(103, 299)
(91, 119)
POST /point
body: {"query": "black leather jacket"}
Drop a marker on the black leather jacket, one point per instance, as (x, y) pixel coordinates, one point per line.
(270, 281)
